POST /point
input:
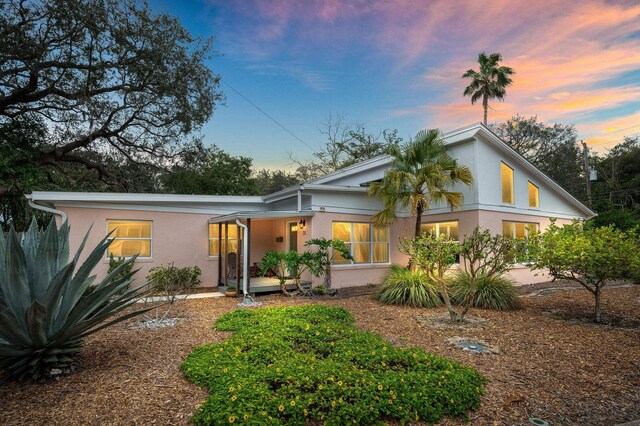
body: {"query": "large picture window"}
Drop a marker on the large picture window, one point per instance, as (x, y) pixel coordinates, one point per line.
(450, 229)
(519, 229)
(214, 239)
(367, 243)
(130, 238)
(506, 175)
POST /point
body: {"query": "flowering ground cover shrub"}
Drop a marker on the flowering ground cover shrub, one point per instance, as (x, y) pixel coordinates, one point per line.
(310, 364)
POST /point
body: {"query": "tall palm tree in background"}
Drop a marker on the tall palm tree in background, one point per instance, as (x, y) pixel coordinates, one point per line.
(422, 175)
(490, 82)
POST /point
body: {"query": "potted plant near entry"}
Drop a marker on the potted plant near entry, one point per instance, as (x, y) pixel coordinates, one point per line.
(231, 291)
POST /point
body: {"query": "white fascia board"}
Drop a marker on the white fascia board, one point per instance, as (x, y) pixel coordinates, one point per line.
(117, 197)
(282, 194)
(355, 168)
(213, 210)
(334, 188)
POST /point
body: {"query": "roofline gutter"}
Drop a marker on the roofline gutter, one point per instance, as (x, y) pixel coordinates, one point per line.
(63, 215)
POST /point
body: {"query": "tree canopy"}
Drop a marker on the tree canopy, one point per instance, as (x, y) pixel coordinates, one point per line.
(101, 79)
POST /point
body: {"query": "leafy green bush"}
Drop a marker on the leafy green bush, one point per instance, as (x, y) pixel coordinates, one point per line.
(169, 279)
(43, 316)
(495, 292)
(310, 364)
(403, 286)
(115, 263)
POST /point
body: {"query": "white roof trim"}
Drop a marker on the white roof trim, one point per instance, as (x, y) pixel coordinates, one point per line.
(260, 215)
(123, 197)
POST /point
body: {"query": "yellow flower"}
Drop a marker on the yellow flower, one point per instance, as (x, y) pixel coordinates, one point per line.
(292, 403)
(333, 403)
(232, 419)
(391, 401)
(339, 382)
(246, 417)
(281, 408)
(305, 412)
(233, 397)
(320, 387)
(340, 400)
(379, 387)
(231, 389)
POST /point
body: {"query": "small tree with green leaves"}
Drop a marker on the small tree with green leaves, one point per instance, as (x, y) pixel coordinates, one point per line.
(327, 250)
(484, 257)
(592, 257)
(434, 255)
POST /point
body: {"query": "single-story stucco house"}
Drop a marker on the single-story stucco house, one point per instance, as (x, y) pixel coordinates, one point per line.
(509, 196)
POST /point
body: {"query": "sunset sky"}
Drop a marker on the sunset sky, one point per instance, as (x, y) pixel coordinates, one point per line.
(397, 64)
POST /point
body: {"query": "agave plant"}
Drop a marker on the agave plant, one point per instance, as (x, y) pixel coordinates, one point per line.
(43, 314)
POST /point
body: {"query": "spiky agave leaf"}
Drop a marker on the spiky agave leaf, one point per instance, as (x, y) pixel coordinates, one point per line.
(43, 316)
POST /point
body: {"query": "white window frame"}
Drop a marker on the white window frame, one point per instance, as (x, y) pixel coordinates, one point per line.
(371, 244)
(114, 238)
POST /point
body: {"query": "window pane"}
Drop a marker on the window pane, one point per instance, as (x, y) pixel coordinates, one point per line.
(534, 228)
(361, 232)
(381, 234)
(450, 229)
(507, 229)
(213, 247)
(129, 229)
(533, 195)
(233, 246)
(127, 248)
(233, 230)
(342, 231)
(521, 230)
(381, 252)
(362, 253)
(506, 174)
(213, 230)
(338, 257)
(429, 228)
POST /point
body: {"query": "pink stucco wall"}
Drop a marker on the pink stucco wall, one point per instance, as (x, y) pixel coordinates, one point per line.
(182, 238)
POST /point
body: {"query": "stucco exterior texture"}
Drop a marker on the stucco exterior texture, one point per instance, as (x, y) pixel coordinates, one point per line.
(182, 239)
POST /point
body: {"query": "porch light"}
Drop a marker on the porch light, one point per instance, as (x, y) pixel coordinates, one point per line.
(302, 223)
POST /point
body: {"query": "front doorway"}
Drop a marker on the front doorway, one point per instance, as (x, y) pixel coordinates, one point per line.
(292, 236)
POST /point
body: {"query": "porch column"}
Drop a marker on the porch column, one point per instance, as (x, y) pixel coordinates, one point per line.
(248, 259)
(220, 253)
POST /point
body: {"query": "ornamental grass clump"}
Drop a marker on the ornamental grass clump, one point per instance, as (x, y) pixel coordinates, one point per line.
(45, 308)
(403, 286)
(495, 292)
(311, 365)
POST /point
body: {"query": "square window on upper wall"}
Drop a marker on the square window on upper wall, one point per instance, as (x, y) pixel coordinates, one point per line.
(506, 175)
(534, 195)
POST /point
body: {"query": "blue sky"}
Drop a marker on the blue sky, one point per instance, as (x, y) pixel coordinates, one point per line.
(397, 64)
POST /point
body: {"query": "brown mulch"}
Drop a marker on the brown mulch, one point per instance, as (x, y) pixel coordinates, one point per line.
(552, 366)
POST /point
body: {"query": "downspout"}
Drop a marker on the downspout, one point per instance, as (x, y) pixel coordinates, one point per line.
(63, 215)
(245, 264)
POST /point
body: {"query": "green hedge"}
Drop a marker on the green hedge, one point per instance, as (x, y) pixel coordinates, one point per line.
(310, 364)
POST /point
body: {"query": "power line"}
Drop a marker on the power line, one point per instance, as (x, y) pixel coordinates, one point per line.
(631, 135)
(268, 116)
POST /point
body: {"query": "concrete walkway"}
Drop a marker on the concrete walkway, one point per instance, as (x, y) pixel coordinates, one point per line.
(207, 295)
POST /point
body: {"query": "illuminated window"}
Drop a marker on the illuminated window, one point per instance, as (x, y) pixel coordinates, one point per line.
(534, 195)
(506, 174)
(214, 239)
(367, 243)
(519, 229)
(449, 229)
(130, 238)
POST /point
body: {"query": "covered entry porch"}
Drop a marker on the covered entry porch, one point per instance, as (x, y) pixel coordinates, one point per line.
(240, 240)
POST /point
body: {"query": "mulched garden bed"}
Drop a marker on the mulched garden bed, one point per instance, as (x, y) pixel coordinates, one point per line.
(554, 367)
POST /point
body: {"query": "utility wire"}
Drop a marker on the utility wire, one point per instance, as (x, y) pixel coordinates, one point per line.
(631, 135)
(268, 116)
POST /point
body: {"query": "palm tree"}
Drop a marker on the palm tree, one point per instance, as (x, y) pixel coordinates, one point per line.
(422, 175)
(490, 82)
